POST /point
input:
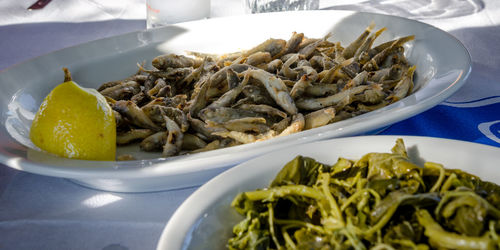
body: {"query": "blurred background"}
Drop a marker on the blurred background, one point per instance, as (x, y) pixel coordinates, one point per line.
(29, 33)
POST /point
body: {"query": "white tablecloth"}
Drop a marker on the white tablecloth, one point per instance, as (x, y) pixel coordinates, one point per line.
(38, 212)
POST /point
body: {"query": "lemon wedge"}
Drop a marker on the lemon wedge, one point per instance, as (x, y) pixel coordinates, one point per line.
(75, 122)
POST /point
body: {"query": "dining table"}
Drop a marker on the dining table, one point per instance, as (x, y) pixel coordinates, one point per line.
(42, 212)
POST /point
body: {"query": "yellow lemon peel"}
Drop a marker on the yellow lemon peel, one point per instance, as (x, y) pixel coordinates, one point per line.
(75, 122)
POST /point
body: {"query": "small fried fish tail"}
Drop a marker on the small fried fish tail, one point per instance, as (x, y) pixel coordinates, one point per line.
(353, 47)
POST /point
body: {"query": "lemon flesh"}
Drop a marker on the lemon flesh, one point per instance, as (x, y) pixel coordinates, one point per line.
(75, 122)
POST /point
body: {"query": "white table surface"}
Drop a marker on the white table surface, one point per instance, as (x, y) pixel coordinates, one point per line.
(38, 212)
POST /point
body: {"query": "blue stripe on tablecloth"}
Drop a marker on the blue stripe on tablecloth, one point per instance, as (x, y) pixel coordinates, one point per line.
(474, 122)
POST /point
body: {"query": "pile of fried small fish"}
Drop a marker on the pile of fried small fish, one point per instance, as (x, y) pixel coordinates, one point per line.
(380, 201)
(202, 102)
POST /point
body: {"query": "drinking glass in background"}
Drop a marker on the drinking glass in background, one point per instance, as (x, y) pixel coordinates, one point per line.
(163, 12)
(261, 6)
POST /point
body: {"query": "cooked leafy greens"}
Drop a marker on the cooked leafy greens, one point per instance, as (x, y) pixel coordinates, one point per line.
(381, 201)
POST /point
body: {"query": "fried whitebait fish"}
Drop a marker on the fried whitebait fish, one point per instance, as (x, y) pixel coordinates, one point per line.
(276, 88)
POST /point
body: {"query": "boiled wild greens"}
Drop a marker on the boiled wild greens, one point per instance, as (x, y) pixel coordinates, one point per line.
(381, 201)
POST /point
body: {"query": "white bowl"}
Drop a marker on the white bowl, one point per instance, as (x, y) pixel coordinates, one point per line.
(205, 220)
(443, 65)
